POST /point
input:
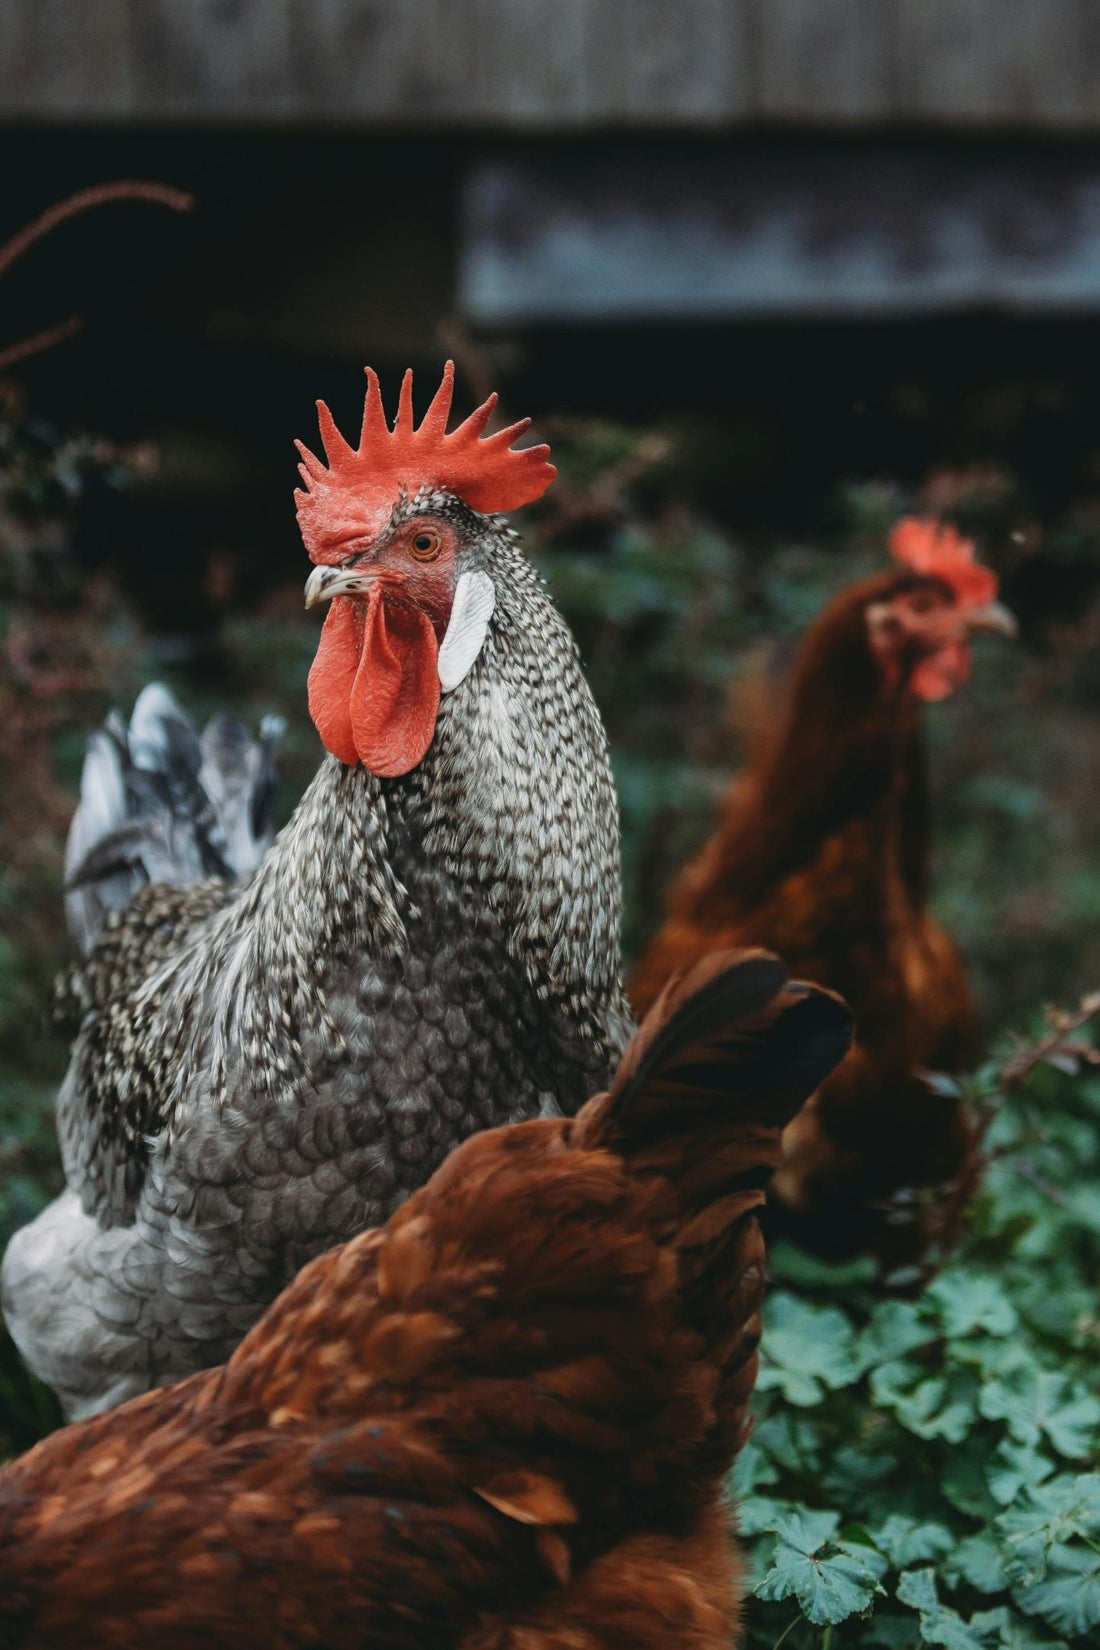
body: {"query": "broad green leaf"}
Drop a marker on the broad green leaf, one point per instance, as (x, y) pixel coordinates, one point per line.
(752, 1467)
(939, 1623)
(1032, 1401)
(760, 1512)
(1069, 1595)
(830, 1581)
(790, 1440)
(806, 1350)
(936, 1406)
(1053, 1515)
(906, 1542)
(917, 1588)
(897, 1327)
(966, 1301)
(976, 1559)
(1016, 1632)
(1014, 1467)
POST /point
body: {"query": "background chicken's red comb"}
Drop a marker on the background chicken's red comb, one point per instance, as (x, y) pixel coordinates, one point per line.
(936, 548)
(356, 493)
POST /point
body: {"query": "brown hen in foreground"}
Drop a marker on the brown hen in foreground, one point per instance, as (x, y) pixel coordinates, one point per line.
(501, 1420)
(822, 852)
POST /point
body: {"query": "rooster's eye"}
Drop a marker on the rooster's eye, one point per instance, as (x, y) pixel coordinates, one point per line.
(426, 545)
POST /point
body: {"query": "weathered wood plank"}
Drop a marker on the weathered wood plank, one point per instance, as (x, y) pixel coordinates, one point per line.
(1046, 61)
(350, 57)
(648, 60)
(56, 58)
(825, 59)
(532, 65)
(945, 59)
(229, 58)
(577, 64)
(1000, 62)
(366, 61)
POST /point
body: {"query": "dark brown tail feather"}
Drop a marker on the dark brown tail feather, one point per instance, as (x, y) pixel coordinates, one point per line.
(733, 1045)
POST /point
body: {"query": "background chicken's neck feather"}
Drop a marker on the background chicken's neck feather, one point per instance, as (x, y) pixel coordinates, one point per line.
(844, 774)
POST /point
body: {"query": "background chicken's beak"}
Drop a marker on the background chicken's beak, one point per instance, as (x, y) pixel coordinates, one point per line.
(325, 582)
(993, 616)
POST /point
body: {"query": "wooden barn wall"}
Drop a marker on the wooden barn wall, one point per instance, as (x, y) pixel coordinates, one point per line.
(553, 64)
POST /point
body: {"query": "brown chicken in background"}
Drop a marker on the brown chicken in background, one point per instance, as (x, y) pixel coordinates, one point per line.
(503, 1419)
(822, 853)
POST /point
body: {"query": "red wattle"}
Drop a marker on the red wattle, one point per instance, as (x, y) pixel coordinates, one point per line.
(942, 673)
(395, 697)
(374, 685)
(332, 677)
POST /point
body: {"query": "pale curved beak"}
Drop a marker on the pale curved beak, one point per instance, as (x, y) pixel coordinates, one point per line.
(325, 582)
(993, 616)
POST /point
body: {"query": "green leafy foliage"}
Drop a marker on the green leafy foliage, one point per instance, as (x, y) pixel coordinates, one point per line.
(831, 1575)
(920, 1472)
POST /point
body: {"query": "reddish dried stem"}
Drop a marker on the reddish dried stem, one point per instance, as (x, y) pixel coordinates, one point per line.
(160, 194)
(38, 341)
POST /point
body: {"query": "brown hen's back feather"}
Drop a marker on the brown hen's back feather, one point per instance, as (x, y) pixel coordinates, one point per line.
(822, 852)
(501, 1420)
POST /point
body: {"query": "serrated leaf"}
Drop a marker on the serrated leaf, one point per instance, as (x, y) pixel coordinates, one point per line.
(1014, 1467)
(831, 1581)
(806, 1350)
(1074, 1427)
(757, 1513)
(935, 1406)
(896, 1327)
(939, 1623)
(1055, 1513)
(790, 1440)
(751, 1468)
(966, 1301)
(1034, 1401)
(1069, 1596)
(1015, 1632)
(976, 1560)
(905, 1541)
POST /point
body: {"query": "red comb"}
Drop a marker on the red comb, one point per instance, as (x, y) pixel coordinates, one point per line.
(936, 548)
(355, 495)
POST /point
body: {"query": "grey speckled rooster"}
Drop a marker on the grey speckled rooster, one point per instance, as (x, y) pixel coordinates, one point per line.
(430, 946)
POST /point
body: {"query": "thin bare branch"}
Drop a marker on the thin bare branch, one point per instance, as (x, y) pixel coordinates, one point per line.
(1062, 1027)
(158, 194)
(14, 353)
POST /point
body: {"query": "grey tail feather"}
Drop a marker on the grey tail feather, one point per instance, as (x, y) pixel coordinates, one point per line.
(159, 803)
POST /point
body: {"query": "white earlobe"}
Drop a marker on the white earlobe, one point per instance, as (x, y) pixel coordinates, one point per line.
(475, 598)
